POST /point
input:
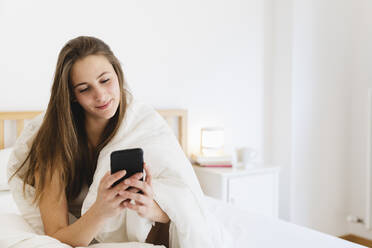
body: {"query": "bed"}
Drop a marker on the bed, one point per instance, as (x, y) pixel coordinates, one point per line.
(248, 229)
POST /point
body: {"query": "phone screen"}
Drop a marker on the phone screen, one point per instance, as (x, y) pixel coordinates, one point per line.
(130, 160)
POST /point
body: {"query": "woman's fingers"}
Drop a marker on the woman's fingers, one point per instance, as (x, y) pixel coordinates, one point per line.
(140, 209)
(119, 200)
(138, 198)
(133, 190)
(139, 185)
(148, 174)
(137, 176)
(125, 201)
(111, 179)
(122, 194)
(119, 188)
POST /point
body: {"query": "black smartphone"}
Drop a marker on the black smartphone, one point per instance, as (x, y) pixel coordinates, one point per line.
(130, 160)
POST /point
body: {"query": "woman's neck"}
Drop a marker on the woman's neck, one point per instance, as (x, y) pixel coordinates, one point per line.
(94, 129)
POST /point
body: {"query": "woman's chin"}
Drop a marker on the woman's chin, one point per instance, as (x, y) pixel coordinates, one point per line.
(103, 115)
(107, 115)
(109, 112)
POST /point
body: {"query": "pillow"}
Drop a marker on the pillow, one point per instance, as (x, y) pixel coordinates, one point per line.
(4, 158)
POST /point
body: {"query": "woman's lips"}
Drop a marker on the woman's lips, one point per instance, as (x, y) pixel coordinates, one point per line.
(105, 106)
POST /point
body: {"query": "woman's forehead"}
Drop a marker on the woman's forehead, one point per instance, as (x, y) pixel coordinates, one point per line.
(89, 68)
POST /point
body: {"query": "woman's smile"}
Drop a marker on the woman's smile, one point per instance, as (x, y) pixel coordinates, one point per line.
(104, 106)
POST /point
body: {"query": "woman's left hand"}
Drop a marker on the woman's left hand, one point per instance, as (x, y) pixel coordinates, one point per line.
(145, 205)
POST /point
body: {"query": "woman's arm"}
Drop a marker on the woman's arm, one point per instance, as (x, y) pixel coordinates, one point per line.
(54, 214)
(54, 211)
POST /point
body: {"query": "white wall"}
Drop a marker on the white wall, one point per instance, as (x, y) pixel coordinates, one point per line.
(310, 114)
(204, 56)
(321, 113)
(278, 94)
(361, 82)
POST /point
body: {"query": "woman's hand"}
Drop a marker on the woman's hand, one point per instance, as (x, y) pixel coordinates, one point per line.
(109, 201)
(144, 205)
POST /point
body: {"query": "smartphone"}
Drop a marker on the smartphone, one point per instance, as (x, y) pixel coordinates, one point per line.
(130, 160)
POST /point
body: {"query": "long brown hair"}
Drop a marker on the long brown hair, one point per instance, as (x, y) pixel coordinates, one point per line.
(61, 143)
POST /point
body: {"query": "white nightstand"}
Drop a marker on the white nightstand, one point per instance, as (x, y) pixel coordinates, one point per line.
(253, 190)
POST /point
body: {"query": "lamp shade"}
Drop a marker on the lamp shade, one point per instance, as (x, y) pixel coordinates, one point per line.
(212, 141)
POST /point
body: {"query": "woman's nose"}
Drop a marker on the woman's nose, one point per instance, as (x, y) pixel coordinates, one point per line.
(99, 94)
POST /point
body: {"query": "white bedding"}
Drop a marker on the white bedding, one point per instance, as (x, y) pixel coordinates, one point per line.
(252, 230)
(191, 225)
(249, 230)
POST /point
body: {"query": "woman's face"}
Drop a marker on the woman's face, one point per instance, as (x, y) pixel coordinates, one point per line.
(96, 87)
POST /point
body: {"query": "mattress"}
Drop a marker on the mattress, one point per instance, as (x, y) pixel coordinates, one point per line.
(249, 230)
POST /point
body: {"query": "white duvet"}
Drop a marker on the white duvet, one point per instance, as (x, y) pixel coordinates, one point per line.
(175, 185)
(16, 233)
(250, 230)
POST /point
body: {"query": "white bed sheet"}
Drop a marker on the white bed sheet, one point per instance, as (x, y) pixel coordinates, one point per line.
(258, 231)
(249, 230)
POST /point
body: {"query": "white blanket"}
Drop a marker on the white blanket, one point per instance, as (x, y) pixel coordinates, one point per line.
(175, 185)
(250, 230)
(16, 233)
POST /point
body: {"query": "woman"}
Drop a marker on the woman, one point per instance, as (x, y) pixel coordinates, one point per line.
(87, 104)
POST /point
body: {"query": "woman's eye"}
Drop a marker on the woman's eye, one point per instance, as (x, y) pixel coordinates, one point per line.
(83, 90)
(104, 81)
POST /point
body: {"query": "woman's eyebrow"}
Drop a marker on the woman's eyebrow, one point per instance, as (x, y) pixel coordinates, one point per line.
(102, 74)
(87, 83)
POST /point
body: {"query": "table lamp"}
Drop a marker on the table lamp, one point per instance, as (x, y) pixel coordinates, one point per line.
(212, 141)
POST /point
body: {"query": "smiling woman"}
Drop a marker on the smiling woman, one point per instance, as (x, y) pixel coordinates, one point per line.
(86, 108)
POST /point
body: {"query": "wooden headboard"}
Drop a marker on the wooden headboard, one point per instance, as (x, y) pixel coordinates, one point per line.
(170, 115)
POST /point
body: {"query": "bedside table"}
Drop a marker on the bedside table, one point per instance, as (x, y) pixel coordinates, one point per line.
(252, 190)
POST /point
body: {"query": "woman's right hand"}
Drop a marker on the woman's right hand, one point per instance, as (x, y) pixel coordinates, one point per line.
(108, 202)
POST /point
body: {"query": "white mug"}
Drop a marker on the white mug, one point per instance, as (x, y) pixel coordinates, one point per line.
(245, 156)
